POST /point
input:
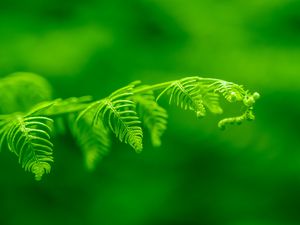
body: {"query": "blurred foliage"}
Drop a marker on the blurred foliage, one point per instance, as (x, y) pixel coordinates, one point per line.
(247, 175)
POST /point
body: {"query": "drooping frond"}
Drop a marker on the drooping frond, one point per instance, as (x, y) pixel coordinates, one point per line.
(186, 94)
(153, 116)
(29, 138)
(120, 116)
(93, 139)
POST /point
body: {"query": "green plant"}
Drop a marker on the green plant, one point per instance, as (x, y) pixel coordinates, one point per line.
(30, 118)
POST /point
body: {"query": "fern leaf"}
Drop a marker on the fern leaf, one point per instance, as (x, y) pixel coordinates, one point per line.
(212, 102)
(29, 138)
(5, 123)
(153, 116)
(186, 94)
(93, 139)
(120, 116)
(231, 91)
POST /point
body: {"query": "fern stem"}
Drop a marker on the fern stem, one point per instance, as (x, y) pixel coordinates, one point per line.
(59, 108)
(166, 84)
(53, 112)
(152, 87)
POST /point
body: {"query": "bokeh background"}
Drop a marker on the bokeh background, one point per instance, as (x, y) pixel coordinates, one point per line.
(247, 175)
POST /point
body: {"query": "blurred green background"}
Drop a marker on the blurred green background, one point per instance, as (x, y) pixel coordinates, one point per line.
(247, 175)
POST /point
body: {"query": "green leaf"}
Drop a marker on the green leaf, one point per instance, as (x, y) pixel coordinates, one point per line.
(93, 139)
(231, 91)
(5, 123)
(120, 116)
(212, 102)
(186, 94)
(29, 139)
(153, 116)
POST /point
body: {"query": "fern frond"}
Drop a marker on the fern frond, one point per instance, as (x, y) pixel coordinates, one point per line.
(28, 134)
(93, 139)
(5, 123)
(153, 116)
(186, 94)
(231, 91)
(211, 99)
(120, 116)
(29, 138)
(234, 93)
